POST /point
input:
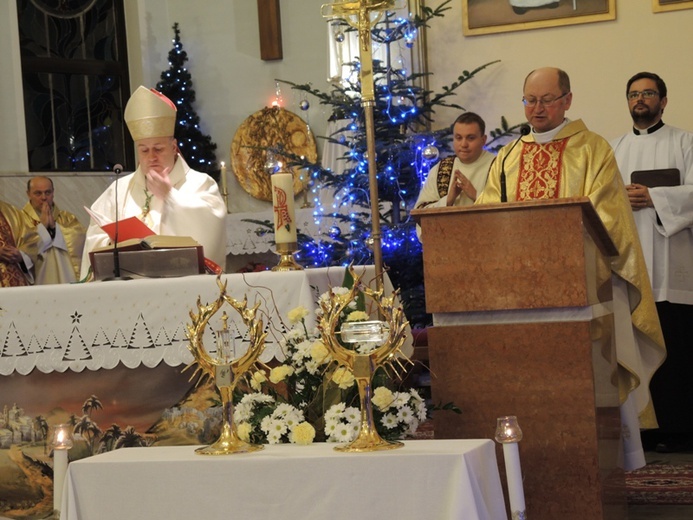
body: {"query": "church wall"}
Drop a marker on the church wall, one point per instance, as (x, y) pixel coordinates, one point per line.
(231, 82)
(599, 58)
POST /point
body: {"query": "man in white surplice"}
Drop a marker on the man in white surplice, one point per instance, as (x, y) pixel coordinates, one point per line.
(164, 192)
(664, 218)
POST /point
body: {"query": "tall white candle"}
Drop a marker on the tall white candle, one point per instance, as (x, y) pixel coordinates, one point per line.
(59, 472)
(283, 203)
(513, 471)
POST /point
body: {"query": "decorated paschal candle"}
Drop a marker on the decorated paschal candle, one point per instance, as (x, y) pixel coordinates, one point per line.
(283, 203)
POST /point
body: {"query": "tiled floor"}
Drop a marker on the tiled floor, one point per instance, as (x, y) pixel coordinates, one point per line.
(663, 512)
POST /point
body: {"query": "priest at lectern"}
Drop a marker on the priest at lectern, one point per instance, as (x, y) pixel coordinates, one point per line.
(164, 192)
(562, 158)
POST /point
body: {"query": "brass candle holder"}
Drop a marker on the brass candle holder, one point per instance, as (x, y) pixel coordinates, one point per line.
(225, 369)
(389, 334)
(287, 262)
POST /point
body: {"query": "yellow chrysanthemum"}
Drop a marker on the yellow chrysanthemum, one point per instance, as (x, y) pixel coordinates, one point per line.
(357, 316)
(297, 314)
(280, 373)
(382, 397)
(303, 433)
(343, 377)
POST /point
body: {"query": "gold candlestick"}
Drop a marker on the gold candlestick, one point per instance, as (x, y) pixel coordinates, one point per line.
(287, 262)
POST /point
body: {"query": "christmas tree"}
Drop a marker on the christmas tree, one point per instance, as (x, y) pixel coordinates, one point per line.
(406, 149)
(176, 84)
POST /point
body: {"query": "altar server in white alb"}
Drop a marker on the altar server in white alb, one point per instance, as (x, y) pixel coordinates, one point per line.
(164, 192)
(664, 218)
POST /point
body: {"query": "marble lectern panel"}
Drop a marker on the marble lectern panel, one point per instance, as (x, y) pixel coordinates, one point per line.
(533, 255)
(559, 379)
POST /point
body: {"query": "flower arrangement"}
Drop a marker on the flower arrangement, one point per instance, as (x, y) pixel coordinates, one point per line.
(308, 398)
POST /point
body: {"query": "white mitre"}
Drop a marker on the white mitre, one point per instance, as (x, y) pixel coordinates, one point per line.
(150, 114)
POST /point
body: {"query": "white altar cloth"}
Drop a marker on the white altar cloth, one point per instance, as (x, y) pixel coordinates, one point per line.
(426, 479)
(143, 322)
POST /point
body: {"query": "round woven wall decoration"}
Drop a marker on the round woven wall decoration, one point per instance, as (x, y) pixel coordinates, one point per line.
(270, 127)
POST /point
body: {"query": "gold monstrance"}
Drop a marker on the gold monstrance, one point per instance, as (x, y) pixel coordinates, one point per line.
(357, 13)
(224, 369)
(387, 337)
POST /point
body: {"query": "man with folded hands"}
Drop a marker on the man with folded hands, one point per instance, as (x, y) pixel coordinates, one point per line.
(661, 197)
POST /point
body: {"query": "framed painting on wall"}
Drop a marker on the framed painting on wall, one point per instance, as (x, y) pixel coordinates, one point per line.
(660, 6)
(496, 16)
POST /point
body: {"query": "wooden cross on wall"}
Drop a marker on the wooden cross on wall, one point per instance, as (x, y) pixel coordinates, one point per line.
(270, 20)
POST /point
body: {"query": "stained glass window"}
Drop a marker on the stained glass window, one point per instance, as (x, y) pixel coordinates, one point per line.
(75, 84)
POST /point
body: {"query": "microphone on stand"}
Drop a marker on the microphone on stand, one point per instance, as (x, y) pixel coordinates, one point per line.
(524, 130)
(117, 170)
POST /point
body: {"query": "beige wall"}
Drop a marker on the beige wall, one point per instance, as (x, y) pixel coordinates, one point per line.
(599, 57)
(231, 82)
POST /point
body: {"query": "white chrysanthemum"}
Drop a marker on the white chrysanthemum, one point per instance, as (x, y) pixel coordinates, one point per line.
(352, 415)
(270, 426)
(274, 437)
(400, 399)
(294, 335)
(334, 413)
(389, 420)
(303, 348)
(413, 426)
(405, 414)
(421, 411)
(344, 433)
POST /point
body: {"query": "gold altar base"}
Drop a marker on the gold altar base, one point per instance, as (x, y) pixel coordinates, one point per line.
(228, 443)
(287, 262)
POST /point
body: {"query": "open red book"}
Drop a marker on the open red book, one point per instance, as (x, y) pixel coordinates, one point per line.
(128, 228)
(133, 230)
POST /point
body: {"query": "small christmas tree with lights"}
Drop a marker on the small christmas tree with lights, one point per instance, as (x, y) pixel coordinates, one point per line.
(176, 84)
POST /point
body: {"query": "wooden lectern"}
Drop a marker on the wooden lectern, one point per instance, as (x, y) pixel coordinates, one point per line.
(520, 294)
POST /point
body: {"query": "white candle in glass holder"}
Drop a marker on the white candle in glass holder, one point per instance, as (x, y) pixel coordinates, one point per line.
(283, 203)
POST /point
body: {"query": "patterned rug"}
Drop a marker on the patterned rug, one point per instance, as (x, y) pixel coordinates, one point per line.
(660, 484)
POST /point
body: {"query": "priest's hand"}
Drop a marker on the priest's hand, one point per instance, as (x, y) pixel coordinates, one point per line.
(159, 183)
(639, 196)
(10, 255)
(460, 184)
(47, 216)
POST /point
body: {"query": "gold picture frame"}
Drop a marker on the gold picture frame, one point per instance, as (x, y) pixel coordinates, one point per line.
(496, 16)
(662, 6)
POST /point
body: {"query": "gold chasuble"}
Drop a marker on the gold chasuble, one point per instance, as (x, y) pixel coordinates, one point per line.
(579, 163)
(15, 233)
(53, 264)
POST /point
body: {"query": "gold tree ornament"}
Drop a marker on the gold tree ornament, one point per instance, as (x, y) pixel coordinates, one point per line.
(224, 368)
(387, 337)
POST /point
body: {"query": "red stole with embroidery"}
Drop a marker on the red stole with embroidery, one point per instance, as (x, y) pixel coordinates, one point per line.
(540, 170)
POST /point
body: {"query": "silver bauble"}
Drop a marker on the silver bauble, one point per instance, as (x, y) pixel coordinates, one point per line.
(430, 153)
(304, 104)
(339, 37)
